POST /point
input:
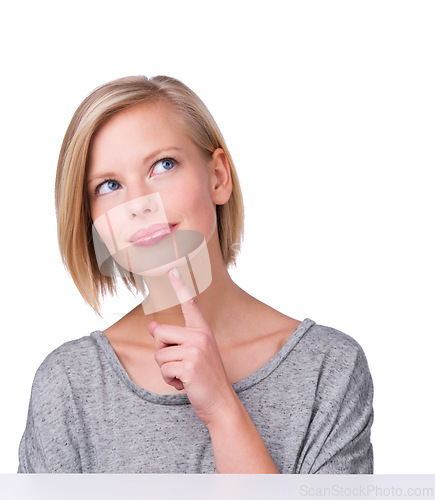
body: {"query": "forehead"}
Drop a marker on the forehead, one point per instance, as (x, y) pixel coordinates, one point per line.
(145, 125)
(147, 117)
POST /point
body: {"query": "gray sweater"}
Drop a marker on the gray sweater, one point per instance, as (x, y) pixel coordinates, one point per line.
(311, 403)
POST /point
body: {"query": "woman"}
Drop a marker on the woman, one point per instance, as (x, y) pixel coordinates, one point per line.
(215, 381)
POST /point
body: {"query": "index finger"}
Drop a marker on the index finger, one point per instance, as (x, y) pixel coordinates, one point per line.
(193, 315)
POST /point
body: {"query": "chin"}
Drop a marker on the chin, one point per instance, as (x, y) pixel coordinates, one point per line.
(198, 254)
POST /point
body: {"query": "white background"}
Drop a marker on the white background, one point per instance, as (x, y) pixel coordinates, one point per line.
(328, 110)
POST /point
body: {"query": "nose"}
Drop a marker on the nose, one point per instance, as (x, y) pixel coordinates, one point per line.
(142, 206)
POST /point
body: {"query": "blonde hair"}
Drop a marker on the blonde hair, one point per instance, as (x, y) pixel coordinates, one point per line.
(74, 223)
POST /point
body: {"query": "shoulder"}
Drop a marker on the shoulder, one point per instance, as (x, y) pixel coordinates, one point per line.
(65, 364)
(335, 355)
(331, 342)
(70, 354)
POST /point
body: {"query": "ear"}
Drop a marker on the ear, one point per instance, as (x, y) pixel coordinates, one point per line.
(221, 185)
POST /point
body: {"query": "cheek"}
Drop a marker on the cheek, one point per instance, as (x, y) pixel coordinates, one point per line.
(105, 233)
(188, 195)
(202, 211)
(110, 223)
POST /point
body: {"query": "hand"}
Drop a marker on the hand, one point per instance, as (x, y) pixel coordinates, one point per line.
(189, 358)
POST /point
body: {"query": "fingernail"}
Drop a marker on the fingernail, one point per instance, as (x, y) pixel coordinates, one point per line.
(175, 273)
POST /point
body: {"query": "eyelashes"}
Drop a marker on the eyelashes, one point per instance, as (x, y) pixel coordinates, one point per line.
(167, 164)
(100, 187)
(111, 184)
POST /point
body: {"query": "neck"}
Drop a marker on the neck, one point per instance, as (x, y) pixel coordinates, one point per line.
(219, 302)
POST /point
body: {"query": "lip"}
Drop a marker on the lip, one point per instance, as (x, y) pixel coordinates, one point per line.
(152, 234)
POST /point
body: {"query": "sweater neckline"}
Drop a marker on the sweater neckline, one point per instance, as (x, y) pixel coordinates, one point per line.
(179, 399)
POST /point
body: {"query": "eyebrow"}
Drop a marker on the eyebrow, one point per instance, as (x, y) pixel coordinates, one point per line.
(147, 159)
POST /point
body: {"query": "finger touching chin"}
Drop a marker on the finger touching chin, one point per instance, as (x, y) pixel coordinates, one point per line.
(152, 326)
(183, 292)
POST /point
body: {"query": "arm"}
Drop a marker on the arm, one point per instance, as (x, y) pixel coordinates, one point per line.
(338, 439)
(48, 442)
(31, 454)
(237, 445)
(189, 359)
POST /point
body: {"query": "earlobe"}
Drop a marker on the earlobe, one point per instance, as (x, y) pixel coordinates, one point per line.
(221, 178)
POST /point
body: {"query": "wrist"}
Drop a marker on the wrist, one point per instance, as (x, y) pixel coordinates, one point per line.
(237, 445)
(228, 415)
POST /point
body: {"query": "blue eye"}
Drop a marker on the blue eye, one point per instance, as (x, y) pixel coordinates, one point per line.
(164, 165)
(108, 187)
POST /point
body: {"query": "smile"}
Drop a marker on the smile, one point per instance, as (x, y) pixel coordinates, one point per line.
(151, 235)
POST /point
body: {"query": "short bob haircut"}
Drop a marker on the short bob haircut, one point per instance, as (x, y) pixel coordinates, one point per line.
(74, 223)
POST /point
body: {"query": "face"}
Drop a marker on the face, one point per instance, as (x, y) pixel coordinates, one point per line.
(146, 179)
